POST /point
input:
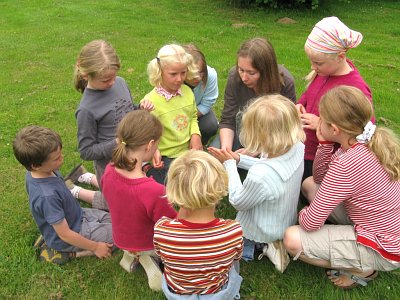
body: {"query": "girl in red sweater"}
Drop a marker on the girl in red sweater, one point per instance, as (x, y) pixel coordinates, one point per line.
(136, 202)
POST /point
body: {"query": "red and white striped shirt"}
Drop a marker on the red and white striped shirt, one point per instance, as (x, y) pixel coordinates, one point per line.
(197, 257)
(372, 201)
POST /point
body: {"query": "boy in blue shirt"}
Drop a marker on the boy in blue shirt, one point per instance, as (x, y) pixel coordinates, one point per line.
(67, 229)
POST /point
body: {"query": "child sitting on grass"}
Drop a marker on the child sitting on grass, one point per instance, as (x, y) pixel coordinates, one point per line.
(67, 228)
(267, 199)
(174, 105)
(198, 250)
(136, 202)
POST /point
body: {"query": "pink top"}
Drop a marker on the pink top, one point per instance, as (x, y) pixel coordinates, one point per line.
(312, 96)
(371, 200)
(135, 206)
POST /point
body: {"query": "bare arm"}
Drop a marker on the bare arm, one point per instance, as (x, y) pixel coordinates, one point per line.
(100, 249)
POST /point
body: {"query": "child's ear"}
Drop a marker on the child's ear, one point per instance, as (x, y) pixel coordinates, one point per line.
(336, 130)
(150, 145)
(342, 56)
(35, 167)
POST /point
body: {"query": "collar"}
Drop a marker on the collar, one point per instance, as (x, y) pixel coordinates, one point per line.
(167, 95)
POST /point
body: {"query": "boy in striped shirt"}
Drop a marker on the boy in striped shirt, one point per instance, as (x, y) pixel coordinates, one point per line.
(200, 252)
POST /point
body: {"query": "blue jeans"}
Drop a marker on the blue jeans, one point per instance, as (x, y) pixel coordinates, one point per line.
(229, 291)
(248, 249)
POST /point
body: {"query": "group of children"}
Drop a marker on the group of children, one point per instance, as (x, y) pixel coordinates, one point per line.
(149, 160)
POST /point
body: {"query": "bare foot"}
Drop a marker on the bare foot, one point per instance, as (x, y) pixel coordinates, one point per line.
(347, 280)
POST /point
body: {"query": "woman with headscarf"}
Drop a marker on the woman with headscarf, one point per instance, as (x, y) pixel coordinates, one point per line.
(326, 47)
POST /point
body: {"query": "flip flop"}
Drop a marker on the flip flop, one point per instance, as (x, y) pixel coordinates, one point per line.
(357, 280)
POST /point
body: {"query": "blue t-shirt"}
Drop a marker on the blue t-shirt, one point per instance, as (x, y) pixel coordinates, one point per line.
(50, 202)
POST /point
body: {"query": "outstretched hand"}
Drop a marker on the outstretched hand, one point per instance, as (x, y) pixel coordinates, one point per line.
(223, 154)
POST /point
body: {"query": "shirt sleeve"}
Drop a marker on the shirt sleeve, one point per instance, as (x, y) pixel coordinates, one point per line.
(210, 95)
(88, 146)
(247, 195)
(231, 107)
(335, 188)
(322, 160)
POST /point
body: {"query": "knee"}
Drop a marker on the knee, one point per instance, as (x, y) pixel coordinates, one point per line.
(291, 240)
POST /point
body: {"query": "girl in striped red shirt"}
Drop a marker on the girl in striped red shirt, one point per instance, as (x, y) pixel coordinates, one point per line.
(358, 187)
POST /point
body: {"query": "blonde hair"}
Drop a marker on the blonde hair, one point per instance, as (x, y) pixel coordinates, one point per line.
(271, 125)
(350, 110)
(167, 55)
(136, 129)
(311, 76)
(196, 180)
(95, 58)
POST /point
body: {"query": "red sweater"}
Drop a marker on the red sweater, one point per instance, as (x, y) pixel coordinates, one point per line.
(371, 200)
(135, 206)
(312, 96)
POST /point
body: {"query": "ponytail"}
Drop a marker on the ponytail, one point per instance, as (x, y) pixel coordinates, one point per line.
(121, 159)
(386, 147)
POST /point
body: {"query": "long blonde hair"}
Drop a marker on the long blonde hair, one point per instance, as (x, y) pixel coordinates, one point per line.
(167, 55)
(95, 58)
(136, 129)
(271, 125)
(350, 110)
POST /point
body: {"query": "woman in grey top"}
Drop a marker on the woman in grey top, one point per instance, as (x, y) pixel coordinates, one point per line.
(256, 73)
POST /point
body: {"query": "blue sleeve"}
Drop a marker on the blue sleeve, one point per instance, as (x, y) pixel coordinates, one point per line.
(206, 98)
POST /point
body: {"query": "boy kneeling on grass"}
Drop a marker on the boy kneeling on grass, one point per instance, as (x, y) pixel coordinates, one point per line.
(200, 252)
(67, 229)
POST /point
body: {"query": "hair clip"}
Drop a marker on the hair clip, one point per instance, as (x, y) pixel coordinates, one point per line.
(123, 143)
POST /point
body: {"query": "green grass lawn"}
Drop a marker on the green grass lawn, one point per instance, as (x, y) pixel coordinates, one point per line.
(39, 42)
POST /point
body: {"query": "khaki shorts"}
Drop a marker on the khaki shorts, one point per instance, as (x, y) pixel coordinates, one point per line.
(337, 244)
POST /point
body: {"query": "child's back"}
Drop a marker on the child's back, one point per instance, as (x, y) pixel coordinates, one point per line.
(198, 250)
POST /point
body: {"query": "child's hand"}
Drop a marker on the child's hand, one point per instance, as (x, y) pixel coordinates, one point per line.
(320, 137)
(223, 154)
(310, 121)
(195, 142)
(103, 250)
(157, 160)
(146, 105)
(245, 152)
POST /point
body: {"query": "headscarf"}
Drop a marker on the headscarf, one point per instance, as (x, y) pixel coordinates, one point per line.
(330, 35)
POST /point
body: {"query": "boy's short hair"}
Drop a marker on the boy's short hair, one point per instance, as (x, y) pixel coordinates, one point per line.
(196, 180)
(33, 145)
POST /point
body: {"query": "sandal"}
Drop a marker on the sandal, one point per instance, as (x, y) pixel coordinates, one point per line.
(357, 280)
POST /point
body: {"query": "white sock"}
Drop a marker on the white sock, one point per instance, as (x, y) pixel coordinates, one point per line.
(86, 178)
(75, 191)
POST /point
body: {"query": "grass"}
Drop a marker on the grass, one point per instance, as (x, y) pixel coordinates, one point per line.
(39, 42)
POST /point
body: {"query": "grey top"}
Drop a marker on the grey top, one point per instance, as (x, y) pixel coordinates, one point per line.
(237, 95)
(98, 116)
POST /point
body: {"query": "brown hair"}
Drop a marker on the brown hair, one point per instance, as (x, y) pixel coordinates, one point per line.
(198, 57)
(136, 129)
(349, 109)
(33, 145)
(263, 59)
(95, 58)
